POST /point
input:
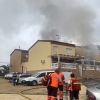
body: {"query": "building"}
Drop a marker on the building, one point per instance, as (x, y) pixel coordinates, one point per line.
(17, 57)
(43, 53)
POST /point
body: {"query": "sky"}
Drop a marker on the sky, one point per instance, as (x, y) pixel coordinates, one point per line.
(23, 22)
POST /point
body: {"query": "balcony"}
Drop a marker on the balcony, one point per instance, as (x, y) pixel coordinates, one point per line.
(64, 65)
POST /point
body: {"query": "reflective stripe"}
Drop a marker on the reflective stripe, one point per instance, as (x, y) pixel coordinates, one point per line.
(77, 83)
(53, 97)
(44, 79)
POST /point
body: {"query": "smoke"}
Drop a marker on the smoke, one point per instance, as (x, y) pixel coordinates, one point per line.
(71, 19)
(91, 52)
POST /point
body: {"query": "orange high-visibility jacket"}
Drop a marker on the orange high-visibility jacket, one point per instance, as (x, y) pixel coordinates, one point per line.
(62, 77)
(54, 80)
(70, 86)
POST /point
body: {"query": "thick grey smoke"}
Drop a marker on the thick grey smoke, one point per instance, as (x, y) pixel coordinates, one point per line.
(91, 52)
(72, 19)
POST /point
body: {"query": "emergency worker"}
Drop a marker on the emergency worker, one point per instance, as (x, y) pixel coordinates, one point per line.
(74, 95)
(61, 84)
(53, 87)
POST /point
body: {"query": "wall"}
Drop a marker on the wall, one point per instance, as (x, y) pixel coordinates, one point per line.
(15, 61)
(62, 49)
(40, 51)
(90, 73)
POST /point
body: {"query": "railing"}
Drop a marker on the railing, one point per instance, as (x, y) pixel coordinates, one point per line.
(73, 66)
(90, 67)
(64, 65)
(97, 67)
(54, 65)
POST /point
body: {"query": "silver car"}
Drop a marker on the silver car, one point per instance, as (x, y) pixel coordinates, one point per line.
(10, 75)
(93, 93)
(23, 76)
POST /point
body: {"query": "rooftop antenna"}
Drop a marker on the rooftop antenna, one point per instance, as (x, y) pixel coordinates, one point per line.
(59, 37)
(19, 47)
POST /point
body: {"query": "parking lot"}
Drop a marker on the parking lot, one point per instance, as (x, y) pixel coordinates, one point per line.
(8, 91)
(8, 88)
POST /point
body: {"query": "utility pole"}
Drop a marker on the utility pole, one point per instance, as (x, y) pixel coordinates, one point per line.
(59, 37)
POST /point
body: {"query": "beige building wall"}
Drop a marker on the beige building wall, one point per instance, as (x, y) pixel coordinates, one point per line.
(79, 51)
(62, 49)
(15, 61)
(40, 51)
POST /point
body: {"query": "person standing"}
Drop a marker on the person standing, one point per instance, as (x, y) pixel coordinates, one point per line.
(74, 95)
(61, 84)
(53, 86)
(17, 79)
(14, 77)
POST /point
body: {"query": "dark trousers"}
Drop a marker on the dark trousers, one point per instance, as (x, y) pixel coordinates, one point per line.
(52, 91)
(74, 95)
(60, 87)
(14, 82)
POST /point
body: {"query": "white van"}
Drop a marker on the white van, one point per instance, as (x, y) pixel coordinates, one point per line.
(35, 79)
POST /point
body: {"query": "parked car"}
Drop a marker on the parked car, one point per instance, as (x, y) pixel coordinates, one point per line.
(9, 75)
(93, 93)
(23, 76)
(35, 79)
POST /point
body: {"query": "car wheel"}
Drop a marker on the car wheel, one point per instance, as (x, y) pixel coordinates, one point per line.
(34, 83)
(23, 82)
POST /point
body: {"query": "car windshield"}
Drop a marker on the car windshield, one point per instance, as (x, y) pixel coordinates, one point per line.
(34, 75)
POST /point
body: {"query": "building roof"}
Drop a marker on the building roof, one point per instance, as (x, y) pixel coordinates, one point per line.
(23, 51)
(54, 42)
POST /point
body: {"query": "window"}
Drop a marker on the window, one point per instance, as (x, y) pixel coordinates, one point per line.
(68, 51)
(25, 76)
(55, 49)
(41, 75)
